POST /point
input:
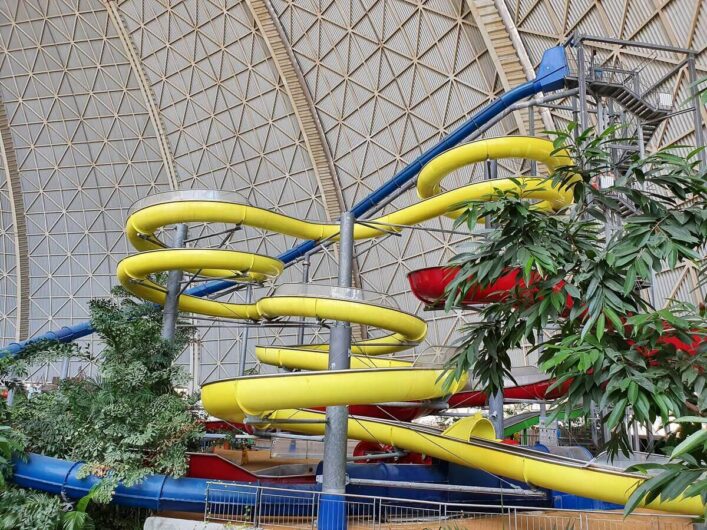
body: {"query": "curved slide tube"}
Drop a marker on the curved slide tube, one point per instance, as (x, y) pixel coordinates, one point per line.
(533, 391)
(550, 76)
(429, 285)
(278, 396)
(53, 475)
(469, 442)
(157, 492)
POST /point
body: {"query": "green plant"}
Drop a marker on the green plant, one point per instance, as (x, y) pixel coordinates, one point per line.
(546, 249)
(683, 474)
(78, 518)
(114, 517)
(32, 510)
(130, 422)
(12, 445)
(29, 510)
(585, 272)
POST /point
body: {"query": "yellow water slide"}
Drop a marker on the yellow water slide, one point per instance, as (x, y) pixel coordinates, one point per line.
(371, 379)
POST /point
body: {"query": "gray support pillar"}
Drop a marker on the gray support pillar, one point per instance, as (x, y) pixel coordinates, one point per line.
(490, 173)
(548, 429)
(491, 170)
(334, 474)
(496, 413)
(542, 422)
(171, 303)
(575, 117)
(596, 426)
(582, 81)
(641, 140)
(650, 438)
(65, 367)
(531, 132)
(195, 364)
(601, 115)
(305, 281)
(246, 334)
(604, 429)
(697, 112)
(642, 153)
(636, 437)
(495, 402)
(10, 397)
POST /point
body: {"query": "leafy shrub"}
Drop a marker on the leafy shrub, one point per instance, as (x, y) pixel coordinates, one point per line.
(128, 423)
(30, 510)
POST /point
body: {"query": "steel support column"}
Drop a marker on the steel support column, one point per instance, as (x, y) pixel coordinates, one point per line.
(531, 132)
(636, 437)
(245, 335)
(171, 303)
(65, 363)
(575, 116)
(650, 438)
(697, 112)
(332, 512)
(305, 281)
(582, 81)
(596, 426)
(642, 153)
(491, 170)
(195, 365)
(496, 413)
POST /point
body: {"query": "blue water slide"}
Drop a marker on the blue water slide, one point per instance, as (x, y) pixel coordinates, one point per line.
(162, 493)
(156, 492)
(550, 76)
(159, 492)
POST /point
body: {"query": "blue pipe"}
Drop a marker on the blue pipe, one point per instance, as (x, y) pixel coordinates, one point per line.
(550, 76)
(156, 492)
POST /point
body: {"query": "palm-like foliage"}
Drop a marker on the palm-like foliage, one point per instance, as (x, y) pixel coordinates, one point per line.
(588, 273)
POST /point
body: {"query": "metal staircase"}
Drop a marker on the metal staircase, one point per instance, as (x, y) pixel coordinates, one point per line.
(623, 86)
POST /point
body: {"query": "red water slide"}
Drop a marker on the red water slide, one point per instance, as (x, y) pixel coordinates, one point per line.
(429, 285)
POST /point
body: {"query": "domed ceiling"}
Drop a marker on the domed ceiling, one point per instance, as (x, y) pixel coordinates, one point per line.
(301, 107)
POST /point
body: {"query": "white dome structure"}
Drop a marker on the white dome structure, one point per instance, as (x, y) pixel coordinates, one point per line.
(302, 107)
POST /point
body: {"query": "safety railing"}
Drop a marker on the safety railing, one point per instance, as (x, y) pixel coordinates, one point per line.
(270, 507)
(598, 71)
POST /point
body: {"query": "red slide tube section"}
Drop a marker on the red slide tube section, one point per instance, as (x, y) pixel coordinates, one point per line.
(429, 286)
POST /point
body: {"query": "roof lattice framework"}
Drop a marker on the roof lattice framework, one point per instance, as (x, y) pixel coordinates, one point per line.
(302, 107)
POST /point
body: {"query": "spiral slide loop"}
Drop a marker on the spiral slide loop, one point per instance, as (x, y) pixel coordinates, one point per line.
(295, 390)
(281, 396)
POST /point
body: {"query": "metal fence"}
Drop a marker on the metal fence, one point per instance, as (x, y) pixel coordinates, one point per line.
(266, 507)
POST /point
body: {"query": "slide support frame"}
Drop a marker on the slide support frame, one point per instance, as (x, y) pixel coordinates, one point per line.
(332, 513)
(245, 335)
(582, 80)
(170, 312)
(697, 111)
(496, 412)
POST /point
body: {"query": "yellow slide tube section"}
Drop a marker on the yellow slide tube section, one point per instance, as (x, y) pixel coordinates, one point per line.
(526, 148)
(370, 380)
(517, 463)
(311, 359)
